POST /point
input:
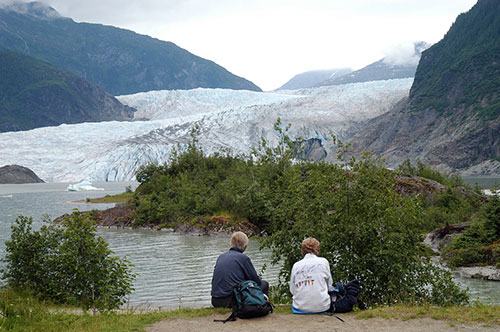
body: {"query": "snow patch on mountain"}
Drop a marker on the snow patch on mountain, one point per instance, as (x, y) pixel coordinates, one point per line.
(230, 119)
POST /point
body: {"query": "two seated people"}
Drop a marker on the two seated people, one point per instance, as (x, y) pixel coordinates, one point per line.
(311, 281)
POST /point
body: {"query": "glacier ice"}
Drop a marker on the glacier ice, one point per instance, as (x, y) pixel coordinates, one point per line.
(113, 151)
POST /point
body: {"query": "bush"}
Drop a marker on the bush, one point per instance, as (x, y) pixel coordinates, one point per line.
(367, 231)
(425, 171)
(67, 263)
(483, 232)
(466, 257)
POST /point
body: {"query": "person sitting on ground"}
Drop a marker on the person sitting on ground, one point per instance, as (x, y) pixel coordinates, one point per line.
(231, 268)
(311, 280)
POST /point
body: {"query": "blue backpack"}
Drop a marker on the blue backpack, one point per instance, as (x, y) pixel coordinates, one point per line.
(249, 301)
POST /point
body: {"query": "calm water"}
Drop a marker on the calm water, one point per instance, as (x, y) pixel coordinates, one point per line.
(174, 270)
(485, 182)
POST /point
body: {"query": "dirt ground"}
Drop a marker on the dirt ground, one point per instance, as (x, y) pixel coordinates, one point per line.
(277, 322)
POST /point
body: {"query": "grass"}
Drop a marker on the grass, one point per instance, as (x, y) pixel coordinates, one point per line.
(20, 312)
(119, 198)
(23, 312)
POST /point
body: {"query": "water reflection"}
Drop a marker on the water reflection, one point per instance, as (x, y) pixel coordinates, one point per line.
(176, 270)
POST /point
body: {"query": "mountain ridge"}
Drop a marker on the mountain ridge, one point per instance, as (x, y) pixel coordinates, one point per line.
(119, 60)
(311, 78)
(36, 94)
(389, 67)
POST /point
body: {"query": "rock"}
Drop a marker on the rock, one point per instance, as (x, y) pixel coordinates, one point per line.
(312, 149)
(440, 237)
(480, 272)
(14, 174)
(217, 225)
(118, 216)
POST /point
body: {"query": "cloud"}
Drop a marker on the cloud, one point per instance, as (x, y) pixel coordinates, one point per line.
(29, 7)
(405, 54)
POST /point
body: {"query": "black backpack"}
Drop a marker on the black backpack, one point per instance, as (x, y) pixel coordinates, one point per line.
(248, 302)
(344, 297)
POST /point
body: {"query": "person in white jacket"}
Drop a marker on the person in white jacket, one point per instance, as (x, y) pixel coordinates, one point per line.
(311, 280)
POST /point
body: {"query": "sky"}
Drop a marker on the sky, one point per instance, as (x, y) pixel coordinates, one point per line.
(270, 41)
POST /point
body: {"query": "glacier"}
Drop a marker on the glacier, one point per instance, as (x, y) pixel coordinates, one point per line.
(228, 119)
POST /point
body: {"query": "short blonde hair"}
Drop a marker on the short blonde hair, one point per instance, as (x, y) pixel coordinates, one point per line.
(239, 240)
(310, 246)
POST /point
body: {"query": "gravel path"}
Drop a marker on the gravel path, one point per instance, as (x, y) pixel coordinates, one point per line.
(278, 322)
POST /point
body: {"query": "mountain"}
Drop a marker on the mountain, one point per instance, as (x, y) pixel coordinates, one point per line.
(311, 78)
(34, 93)
(118, 60)
(227, 119)
(17, 174)
(401, 64)
(451, 118)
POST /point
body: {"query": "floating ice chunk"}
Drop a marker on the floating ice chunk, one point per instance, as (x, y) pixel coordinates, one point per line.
(82, 186)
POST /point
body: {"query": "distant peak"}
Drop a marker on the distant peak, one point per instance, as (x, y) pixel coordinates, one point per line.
(34, 8)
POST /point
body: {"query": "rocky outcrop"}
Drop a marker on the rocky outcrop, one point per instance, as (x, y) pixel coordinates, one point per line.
(119, 216)
(312, 149)
(440, 237)
(122, 216)
(447, 144)
(218, 225)
(15, 174)
(480, 272)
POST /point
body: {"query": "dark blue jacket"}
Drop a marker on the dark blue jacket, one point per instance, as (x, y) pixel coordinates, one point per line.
(231, 268)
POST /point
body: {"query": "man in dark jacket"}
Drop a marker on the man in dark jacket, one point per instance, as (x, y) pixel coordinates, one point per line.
(231, 268)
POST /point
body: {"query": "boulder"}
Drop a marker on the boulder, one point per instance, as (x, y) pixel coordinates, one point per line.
(15, 174)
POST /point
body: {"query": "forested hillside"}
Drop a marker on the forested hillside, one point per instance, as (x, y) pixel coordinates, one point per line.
(34, 94)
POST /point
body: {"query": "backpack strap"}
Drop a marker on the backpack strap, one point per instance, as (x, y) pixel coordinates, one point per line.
(331, 311)
(234, 312)
(231, 318)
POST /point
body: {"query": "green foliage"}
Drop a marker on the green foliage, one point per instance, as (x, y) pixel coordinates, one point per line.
(457, 204)
(425, 171)
(463, 68)
(479, 243)
(35, 93)
(67, 263)
(193, 184)
(367, 231)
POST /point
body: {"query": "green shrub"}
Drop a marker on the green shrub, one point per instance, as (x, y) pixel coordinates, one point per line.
(467, 257)
(425, 171)
(367, 231)
(67, 263)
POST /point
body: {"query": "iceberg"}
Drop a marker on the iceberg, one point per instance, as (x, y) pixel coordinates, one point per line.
(82, 186)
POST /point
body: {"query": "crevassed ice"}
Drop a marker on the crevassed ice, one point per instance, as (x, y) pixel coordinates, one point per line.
(234, 119)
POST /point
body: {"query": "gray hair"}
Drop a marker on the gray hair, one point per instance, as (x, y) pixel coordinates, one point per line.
(239, 240)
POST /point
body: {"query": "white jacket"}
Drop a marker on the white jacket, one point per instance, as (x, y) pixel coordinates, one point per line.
(309, 284)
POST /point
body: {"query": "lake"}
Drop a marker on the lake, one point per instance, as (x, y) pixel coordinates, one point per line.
(174, 269)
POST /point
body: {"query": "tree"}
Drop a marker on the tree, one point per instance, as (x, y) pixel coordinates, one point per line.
(66, 262)
(367, 231)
